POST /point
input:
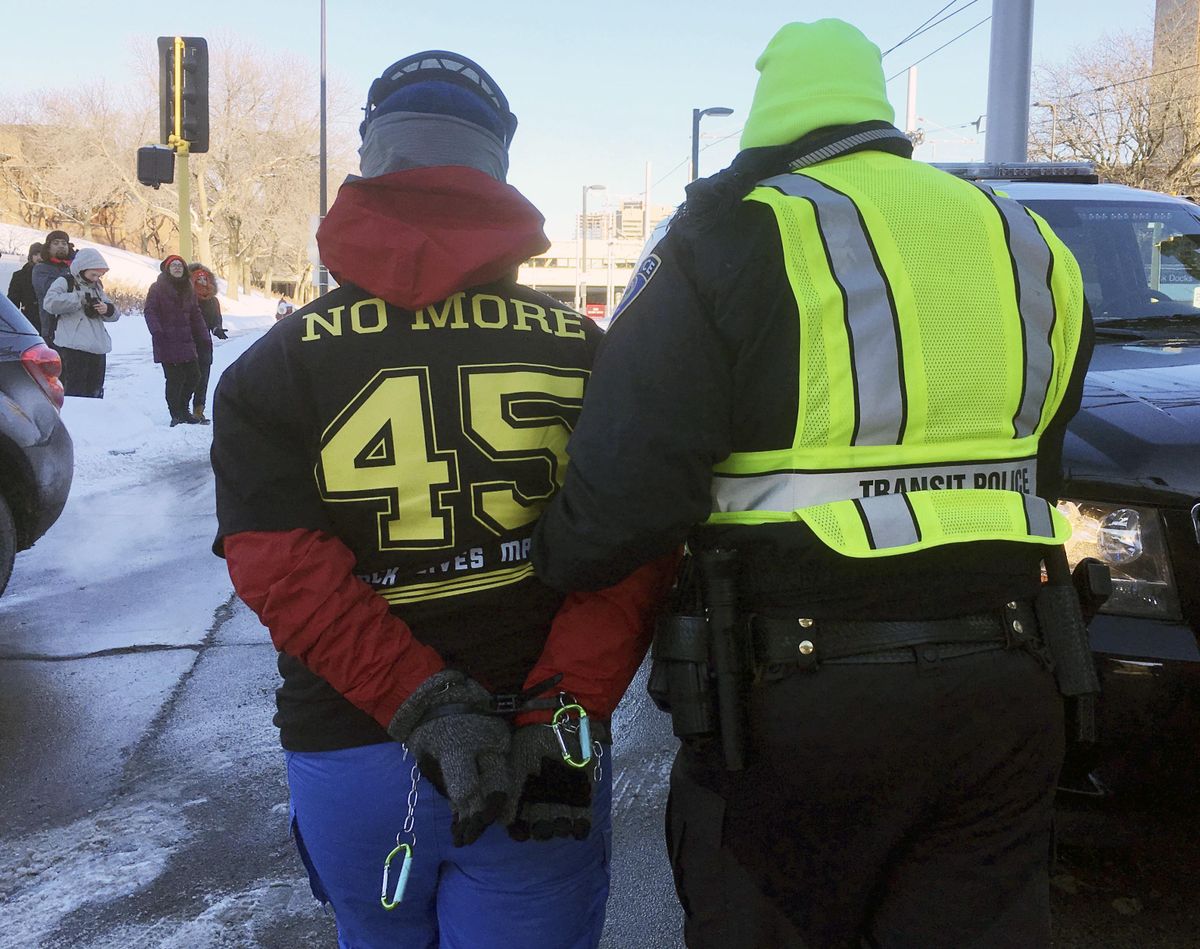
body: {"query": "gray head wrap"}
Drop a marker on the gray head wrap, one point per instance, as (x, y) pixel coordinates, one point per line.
(397, 141)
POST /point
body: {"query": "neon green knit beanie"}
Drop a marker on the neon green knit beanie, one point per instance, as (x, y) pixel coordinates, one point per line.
(815, 75)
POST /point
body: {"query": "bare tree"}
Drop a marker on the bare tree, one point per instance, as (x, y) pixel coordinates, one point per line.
(254, 193)
(1112, 105)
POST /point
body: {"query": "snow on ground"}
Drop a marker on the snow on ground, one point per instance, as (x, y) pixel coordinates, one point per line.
(124, 441)
(119, 436)
(104, 856)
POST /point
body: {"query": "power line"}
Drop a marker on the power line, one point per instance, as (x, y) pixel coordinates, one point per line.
(940, 48)
(689, 158)
(918, 29)
(671, 172)
(1125, 82)
(922, 32)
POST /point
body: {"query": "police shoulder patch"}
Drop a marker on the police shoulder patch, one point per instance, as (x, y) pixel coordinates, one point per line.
(637, 283)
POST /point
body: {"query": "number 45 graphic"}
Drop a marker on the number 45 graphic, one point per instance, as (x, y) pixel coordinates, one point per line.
(383, 449)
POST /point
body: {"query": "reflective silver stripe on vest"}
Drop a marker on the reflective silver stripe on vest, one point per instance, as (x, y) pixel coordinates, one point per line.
(1031, 265)
(889, 521)
(1037, 512)
(792, 490)
(871, 324)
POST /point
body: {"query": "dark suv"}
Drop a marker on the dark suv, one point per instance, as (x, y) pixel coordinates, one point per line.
(36, 455)
(1132, 461)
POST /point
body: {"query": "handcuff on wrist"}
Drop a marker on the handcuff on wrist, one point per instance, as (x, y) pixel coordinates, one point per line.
(570, 719)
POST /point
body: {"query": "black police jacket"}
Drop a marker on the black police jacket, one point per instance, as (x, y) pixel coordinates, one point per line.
(702, 363)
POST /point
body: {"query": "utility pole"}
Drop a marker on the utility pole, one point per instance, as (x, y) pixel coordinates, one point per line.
(323, 274)
(646, 206)
(910, 116)
(1008, 81)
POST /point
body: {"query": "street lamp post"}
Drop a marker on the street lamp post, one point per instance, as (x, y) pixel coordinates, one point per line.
(322, 273)
(1053, 107)
(581, 304)
(697, 115)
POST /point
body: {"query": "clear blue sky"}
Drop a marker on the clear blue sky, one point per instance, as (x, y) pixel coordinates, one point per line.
(600, 89)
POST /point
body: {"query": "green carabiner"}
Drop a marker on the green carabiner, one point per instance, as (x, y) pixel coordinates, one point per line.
(398, 895)
(585, 735)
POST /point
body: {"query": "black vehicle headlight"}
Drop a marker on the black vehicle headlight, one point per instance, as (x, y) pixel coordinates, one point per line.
(1132, 542)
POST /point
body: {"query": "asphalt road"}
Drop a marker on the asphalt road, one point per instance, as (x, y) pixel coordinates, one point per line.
(180, 838)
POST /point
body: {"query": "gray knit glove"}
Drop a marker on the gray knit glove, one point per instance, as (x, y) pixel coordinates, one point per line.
(460, 746)
(548, 797)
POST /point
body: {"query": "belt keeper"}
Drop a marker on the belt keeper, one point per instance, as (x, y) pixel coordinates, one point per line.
(806, 649)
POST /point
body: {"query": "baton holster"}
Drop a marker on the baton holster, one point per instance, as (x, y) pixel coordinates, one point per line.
(680, 680)
(700, 671)
(1060, 613)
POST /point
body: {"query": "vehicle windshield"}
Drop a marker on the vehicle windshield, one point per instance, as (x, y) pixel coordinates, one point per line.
(1140, 260)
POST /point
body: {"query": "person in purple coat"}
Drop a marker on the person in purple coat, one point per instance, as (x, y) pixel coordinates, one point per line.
(177, 328)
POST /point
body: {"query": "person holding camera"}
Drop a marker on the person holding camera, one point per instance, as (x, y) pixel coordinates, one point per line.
(81, 307)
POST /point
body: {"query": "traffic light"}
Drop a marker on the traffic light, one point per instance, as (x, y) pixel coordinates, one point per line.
(155, 165)
(187, 75)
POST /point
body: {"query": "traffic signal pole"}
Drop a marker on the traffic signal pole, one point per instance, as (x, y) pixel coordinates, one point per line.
(185, 202)
(181, 153)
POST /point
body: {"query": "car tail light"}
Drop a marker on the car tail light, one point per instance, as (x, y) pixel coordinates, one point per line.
(43, 364)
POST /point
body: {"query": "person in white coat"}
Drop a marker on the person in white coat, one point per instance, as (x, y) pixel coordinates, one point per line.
(82, 307)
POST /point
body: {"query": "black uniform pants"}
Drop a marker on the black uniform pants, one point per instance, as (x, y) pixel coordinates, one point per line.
(82, 372)
(899, 806)
(180, 383)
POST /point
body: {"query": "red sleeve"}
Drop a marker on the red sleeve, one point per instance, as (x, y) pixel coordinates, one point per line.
(301, 584)
(599, 638)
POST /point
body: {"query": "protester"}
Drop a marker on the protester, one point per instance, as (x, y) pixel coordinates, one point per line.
(284, 308)
(844, 377)
(204, 285)
(20, 287)
(82, 307)
(379, 467)
(57, 251)
(178, 332)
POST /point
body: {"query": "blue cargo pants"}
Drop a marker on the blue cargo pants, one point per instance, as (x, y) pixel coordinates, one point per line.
(347, 808)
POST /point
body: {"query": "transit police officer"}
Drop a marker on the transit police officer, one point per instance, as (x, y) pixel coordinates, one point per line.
(853, 371)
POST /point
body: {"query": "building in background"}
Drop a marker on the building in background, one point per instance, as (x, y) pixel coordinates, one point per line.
(1175, 81)
(615, 236)
(625, 220)
(610, 263)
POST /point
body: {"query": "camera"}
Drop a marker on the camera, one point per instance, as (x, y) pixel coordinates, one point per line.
(91, 305)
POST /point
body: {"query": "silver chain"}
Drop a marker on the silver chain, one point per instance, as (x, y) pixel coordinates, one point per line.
(597, 753)
(410, 819)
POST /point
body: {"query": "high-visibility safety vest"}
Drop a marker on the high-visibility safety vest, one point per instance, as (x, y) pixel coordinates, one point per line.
(939, 323)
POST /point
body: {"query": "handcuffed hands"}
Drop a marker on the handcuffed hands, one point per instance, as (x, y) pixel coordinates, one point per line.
(548, 797)
(447, 723)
